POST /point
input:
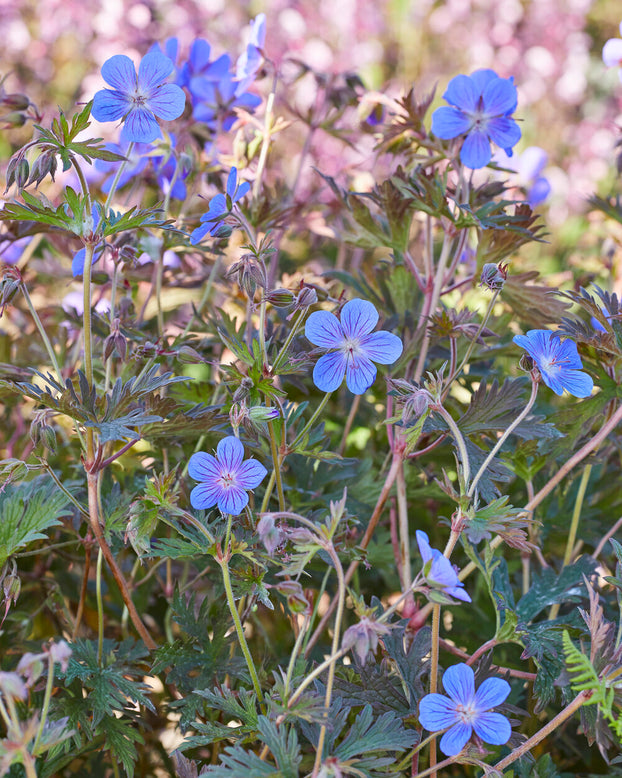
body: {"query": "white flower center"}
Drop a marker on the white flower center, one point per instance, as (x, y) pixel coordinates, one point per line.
(466, 713)
(226, 480)
(351, 347)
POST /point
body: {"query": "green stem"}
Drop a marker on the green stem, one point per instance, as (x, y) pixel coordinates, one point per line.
(87, 336)
(64, 489)
(463, 464)
(404, 534)
(311, 421)
(46, 703)
(265, 144)
(277, 466)
(115, 181)
(204, 298)
(113, 301)
(43, 333)
(292, 334)
(294, 655)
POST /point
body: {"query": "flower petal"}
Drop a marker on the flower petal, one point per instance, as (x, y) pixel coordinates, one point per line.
(233, 500)
(437, 712)
(109, 106)
(459, 683)
(329, 371)
(482, 77)
(493, 728)
(448, 122)
(242, 190)
(251, 474)
(119, 72)
(504, 132)
(492, 692)
(232, 181)
(475, 152)
(458, 592)
(499, 97)
(360, 374)
(358, 318)
(153, 70)
(455, 739)
(323, 329)
(577, 383)
(382, 347)
(140, 125)
(463, 93)
(168, 102)
(196, 236)
(204, 496)
(532, 162)
(539, 192)
(199, 54)
(230, 453)
(203, 467)
(424, 545)
(612, 52)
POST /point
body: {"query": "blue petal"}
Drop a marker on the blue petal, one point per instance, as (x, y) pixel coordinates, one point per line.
(462, 92)
(493, 728)
(251, 474)
(196, 236)
(455, 739)
(233, 500)
(140, 125)
(504, 132)
(324, 329)
(552, 380)
(120, 73)
(382, 347)
(492, 692)
(358, 318)
(566, 352)
(539, 191)
(232, 180)
(203, 467)
(459, 683)
(360, 374)
(458, 592)
(482, 77)
(109, 106)
(204, 496)
(199, 54)
(449, 122)
(329, 371)
(499, 97)
(77, 264)
(230, 453)
(217, 207)
(258, 30)
(475, 152)
(437, 712)
(153, 70)
(168, 102)
(242, 190)
(577, 383)
(424, 545)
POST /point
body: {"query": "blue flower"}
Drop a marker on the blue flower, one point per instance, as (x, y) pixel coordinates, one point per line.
(138, 99)
(249, 61)
(353, 346)
(11, 250)
(216, 101)
(438, 570)
(136, 162)
(220, 207)
(199, 69)
(77, 264)
(558, 362)
(528, 166)
(480, 108)
(224, 478)
(465, 710)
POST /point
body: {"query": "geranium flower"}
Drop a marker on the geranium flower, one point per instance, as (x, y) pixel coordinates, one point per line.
(220, 207)
(438, 570)
(480, 108)
(249, 61)
(138, 99)
(528, 166)
(558, 361)
(224, 478)
(354, 347)
(612, 53)
(465, 710)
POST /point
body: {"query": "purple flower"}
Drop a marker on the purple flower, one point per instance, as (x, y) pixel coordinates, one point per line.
(138, 99)
(216, 101)
(353, 346)
(136, 162)
(438, 570)
(465, 710)
(528, 166)
(558, 362)
(199, 69)
(612, 53)
(480, 108)
(249, 61)
(11, 250)
(224, 478)
(220, 207)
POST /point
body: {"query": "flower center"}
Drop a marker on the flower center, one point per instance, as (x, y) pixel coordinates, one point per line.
(139, 98)
(226, 480)
(466, 713)
(552, 363)
(351, 347)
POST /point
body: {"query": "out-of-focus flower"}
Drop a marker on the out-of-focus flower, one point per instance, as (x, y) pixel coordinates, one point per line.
(249, 61)
(558, 361)
(354, 347)
(77, 265)
(269, 534)
(11, 250)
(73, 302)
(216, 101)
(138, 99)
(528, 166)
(480, 108)
(172, 169)
(137, 161)
(199, 69)
(212, 222)
(224, 478)
(612, 53)
(438, 571)
(465, 710)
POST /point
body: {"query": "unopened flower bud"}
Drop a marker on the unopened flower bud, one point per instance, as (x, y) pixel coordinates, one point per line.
(189, 356)
(306, 297)
(44, 165)
(295, 595)
(15, 102)
(269, 534)
(11, 685)
(243, 390)
(259, 413)
(280, 298)
(494, 276)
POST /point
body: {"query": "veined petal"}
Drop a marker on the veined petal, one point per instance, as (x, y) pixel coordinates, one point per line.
(493, 728)
(203, 467)
(329, 371)
(109, 106)
(140, 125)
(462, 92)
(382, 347)
(437, 712)
(612, 52)
(424, 545)
(233, 500)
(458, 592)
(251, 474)
(492, 692)
(360, 374)
(482, 77)
(552, 379)
(230, 453)
(168, 102)
(204, 496)
(499, 97)
(153, 70)
(196, 236)
(449, 122)
(455, 739)
(358, 318)
(119, 72)
(504, 132)
(217, 207)
(323, 329)
(577, 383)
(566, 353)
(475, 152)
(459, 683)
